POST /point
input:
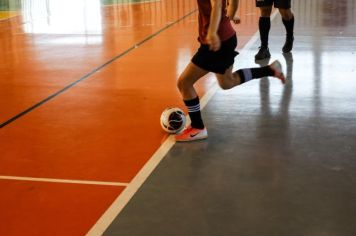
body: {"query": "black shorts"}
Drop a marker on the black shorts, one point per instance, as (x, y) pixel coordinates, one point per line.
(283, 4)
(218, 61)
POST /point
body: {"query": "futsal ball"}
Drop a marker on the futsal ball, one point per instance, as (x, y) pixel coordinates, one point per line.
(173, 120)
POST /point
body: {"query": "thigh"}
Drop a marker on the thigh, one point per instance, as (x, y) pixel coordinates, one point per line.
(216, 61)
(264, 3)
(282, 4)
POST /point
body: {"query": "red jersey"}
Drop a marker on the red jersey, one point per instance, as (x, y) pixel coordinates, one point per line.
(225, 30)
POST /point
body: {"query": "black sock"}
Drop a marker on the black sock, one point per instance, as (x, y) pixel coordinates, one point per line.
(264, 25)
(289, 25)
(193, 106)
(253, 73)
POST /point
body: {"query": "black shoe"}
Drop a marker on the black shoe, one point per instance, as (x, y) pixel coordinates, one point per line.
(288, 45)
(263, 53)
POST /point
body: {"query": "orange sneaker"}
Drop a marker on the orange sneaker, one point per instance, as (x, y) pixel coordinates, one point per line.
(191, 134)
(277, 69)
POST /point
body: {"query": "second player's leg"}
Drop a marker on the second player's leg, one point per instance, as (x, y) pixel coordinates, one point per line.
(264, 26)
(288, 22)
(284, 7)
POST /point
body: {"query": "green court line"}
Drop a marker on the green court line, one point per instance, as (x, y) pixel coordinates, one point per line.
(15, 5)
(114, 2)
(10, 5)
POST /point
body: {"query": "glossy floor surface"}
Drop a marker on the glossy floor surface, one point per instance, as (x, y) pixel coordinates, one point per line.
(82, 89)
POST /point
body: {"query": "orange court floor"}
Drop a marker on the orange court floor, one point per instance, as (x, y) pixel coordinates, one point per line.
(83, 84)
(82, 87)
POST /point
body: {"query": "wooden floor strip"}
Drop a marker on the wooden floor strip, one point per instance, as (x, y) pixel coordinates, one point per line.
(67, 181)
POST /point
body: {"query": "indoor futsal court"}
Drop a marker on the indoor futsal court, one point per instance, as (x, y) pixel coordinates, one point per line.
(83, 84)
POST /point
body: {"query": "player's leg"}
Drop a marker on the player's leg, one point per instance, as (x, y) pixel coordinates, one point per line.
(284, 7)
(223, 67)
(203, 61)
(231, 79)
(186, 81)
(264, 25)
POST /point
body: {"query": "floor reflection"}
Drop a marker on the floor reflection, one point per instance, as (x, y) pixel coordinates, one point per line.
(275, 117)
(62, 17)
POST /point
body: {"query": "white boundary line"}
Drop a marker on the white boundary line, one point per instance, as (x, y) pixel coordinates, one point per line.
(66, 181)
(121, 201)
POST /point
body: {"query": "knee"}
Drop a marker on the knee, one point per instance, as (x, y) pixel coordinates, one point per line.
(224, 86)
(266, 11)
(182, 84)
(286, 14)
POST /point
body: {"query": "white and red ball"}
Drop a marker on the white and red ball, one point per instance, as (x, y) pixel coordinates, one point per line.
(173, 120)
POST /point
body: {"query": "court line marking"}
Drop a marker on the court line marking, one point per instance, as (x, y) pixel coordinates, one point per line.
(8, 18)
(94, 71)
(131, 3)
(122, 200)
(66, 181)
